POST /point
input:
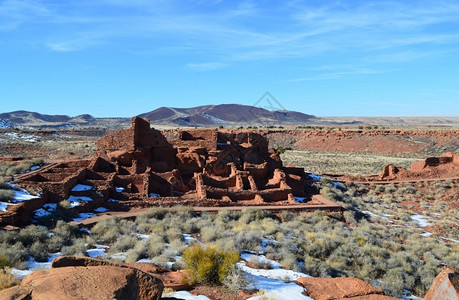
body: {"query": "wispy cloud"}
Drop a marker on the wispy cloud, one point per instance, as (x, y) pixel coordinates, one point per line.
(338, 75)
(208, 66)
(244, 30)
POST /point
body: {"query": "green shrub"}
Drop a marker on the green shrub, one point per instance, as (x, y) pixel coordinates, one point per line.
(208, 264)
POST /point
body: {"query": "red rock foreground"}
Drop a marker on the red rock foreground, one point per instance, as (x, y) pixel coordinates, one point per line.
(86, 278)
(139, 167)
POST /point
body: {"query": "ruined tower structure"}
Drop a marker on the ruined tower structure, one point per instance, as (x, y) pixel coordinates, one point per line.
(196, 167)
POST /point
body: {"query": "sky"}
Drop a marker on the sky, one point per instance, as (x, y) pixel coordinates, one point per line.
(119, 58)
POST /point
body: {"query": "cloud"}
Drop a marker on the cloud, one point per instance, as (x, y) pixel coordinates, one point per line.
(241, 31)
(338, 75)
(209, 66)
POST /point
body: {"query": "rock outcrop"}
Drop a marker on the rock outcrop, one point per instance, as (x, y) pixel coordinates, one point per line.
(445, 285)
(341, 288)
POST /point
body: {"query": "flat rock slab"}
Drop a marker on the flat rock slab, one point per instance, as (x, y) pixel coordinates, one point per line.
(341, 288)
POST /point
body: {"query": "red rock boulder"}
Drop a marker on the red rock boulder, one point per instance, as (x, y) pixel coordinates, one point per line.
(445, 285)
(94, 281)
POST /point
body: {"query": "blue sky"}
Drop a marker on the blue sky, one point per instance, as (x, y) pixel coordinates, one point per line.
(327, 58)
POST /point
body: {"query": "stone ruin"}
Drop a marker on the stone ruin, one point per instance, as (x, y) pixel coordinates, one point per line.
(139, 167)
(444, 166)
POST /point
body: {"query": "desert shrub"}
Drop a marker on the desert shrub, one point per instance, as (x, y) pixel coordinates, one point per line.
(253, 214)
(4, 185)
(39, 251)
(109, 230)
(66, 231)
(236, 281)
(23, 166)
(208, 264)
(316, 268)
(227, 216)
(155, 246)
(290, 262)
(392, 282)
(178, 246)
(257, 263)
(7, 280)
(78, 248)
(247, 241)
(6, 195)
(209, 234)
(4, 261)
(138, 252)
(33, 233)
(14, 253)
(123, 244)
(225, 243)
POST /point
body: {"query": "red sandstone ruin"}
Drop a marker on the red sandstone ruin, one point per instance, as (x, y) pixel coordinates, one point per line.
(139, 167)
(444, 166)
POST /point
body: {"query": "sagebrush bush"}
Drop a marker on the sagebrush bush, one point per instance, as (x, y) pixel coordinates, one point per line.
(208, 264)
(39, 251)
(109, 230)
(6, 195)
(236, 281)
(15, 253)
(33, 233)
(79, 248)
(124, 243)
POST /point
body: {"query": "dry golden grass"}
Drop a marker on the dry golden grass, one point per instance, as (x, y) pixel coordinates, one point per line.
(342, 163)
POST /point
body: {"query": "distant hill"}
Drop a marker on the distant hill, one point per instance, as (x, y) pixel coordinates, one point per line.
(225, 114)
(29, 118)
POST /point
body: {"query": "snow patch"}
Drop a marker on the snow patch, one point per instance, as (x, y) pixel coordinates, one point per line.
(83, 216)
(23, 195)
(4, 205)
(101, 210)
(277, 274)
(81, 187)
(261, 259)
(185, 295)
(78, 200)
(421, 220)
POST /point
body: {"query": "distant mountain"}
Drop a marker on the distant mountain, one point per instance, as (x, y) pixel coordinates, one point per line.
(36, 119)
(225, 114)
